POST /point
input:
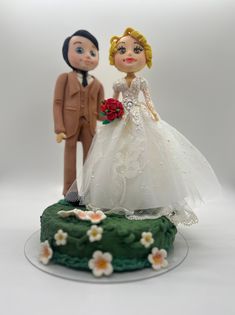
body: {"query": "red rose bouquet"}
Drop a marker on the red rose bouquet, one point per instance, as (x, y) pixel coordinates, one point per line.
(111, 109)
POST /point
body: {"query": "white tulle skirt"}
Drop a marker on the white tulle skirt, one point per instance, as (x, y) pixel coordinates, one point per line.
(146, 172)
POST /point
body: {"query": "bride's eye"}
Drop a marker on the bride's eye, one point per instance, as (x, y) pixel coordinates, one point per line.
(121, 50)
(138, 49)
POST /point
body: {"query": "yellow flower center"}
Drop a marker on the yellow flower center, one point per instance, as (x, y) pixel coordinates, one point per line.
(158, 259)
(94, 233)
(60, 237)
(101, 263)
(148, 238)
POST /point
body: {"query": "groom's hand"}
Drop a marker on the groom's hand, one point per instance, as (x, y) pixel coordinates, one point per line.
(60, 136)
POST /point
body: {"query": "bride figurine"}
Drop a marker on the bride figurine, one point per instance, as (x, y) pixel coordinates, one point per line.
(139, 165)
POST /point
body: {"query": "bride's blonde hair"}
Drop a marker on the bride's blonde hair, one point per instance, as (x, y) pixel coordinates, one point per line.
(136, 35)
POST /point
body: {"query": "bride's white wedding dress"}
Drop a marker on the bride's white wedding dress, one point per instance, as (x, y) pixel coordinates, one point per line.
(145, 168)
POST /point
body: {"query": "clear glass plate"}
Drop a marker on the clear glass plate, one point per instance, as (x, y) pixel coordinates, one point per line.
(175, 257)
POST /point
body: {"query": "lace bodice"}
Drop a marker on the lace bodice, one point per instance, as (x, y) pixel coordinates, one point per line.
(134, 109)
(130, 94)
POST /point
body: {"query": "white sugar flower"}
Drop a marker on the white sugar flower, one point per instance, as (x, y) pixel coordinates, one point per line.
(80, 214)
(95, 233)
(100, 264)
(61, 237)
(96, 216)
(46, 253)
(157, 258)
(146, 239)
(65, 214)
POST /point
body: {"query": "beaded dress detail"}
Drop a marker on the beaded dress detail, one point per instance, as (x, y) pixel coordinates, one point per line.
(145, 168)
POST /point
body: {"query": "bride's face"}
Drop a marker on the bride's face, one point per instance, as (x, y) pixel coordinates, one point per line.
(130, 55)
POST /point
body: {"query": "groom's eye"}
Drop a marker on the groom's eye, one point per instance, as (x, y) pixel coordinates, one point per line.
(92, 53)
(121, 50)
(79, 50)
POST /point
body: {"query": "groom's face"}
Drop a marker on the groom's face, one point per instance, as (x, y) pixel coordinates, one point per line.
(82, 53)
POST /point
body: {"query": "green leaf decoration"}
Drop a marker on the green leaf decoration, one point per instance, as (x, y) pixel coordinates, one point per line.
(106, 122)
(130, 239)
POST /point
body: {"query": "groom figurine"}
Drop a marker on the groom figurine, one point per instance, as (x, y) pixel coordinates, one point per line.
(77, 100)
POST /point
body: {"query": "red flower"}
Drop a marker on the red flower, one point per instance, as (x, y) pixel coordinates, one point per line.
(111, 116)
(112, 109)
(104, 107)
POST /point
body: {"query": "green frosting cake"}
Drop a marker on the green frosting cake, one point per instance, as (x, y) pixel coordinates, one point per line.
(72, 241)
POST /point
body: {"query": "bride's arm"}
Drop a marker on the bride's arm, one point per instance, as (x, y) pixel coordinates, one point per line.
(116, 95)
(148, 100)
(116, 90)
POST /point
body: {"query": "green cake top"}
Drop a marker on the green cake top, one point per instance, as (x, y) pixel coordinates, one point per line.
(92, 240)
